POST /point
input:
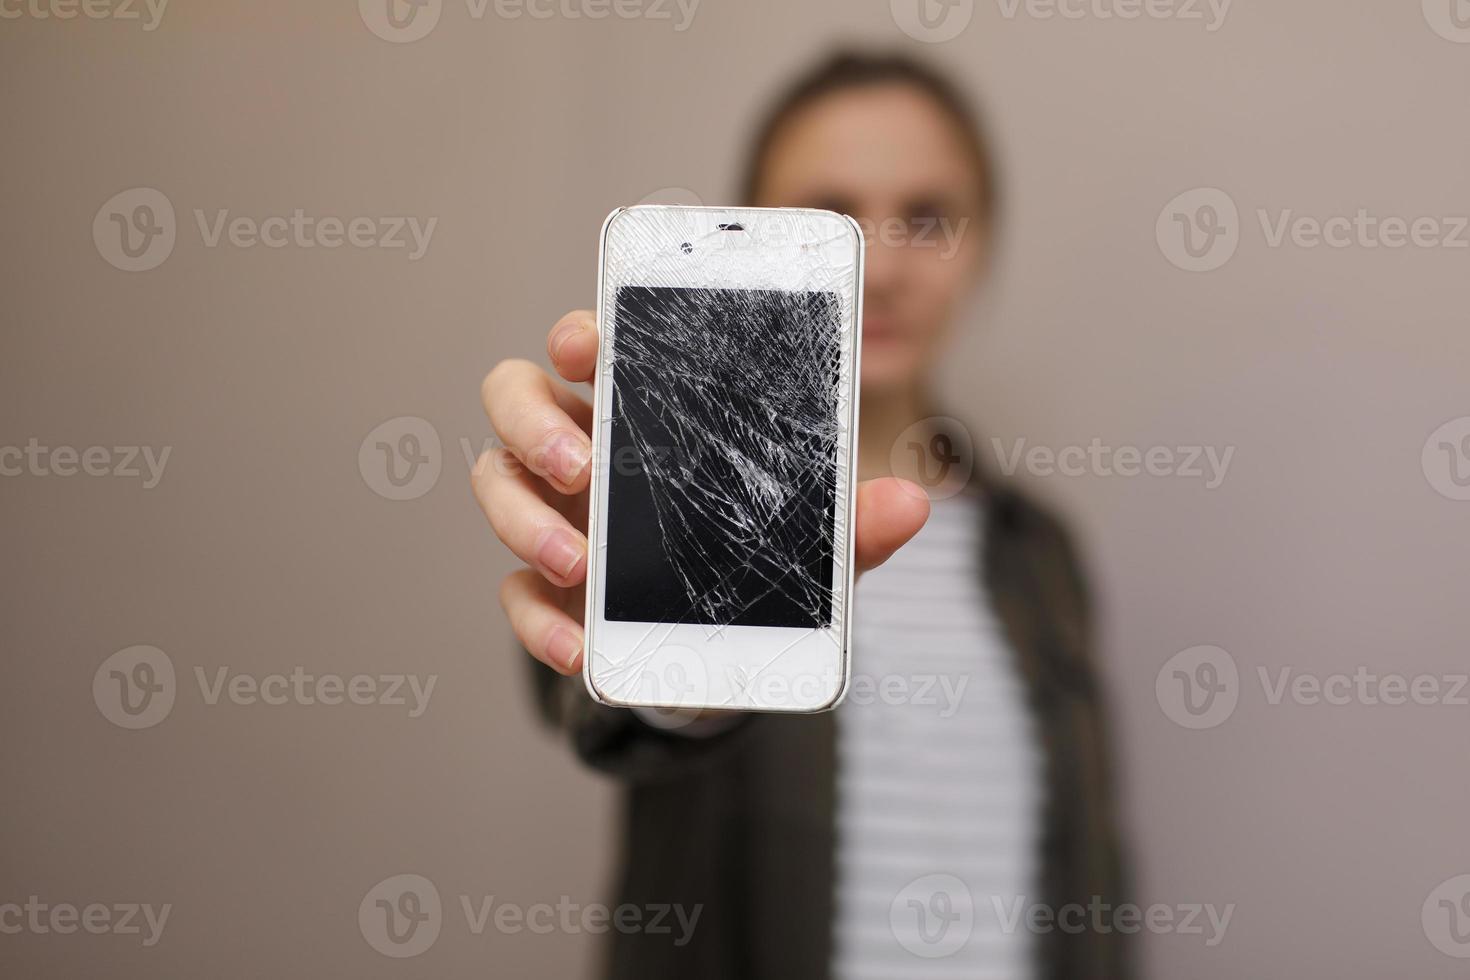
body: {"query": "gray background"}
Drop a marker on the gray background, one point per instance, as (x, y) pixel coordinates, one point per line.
(264, 548)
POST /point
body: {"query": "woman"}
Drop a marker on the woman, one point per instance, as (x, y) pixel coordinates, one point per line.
(905, 834)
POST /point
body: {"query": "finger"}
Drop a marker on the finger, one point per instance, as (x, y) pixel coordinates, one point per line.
(535, 531)
(572, 345)
(522, 403)
(578, 409)
(534, 608)
(889, 512)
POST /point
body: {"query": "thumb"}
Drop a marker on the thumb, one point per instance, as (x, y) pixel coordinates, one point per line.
(889, 512)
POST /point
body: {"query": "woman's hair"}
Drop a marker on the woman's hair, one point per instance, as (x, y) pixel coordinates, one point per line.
(846, 70)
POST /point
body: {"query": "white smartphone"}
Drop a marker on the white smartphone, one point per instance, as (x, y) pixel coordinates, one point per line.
(724, 451)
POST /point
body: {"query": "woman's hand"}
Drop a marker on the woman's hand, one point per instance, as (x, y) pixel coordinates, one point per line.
(534, 492)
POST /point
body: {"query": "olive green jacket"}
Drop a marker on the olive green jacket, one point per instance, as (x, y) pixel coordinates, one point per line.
(742, 823)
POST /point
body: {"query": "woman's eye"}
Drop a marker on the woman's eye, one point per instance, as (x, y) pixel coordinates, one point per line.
(926, 211)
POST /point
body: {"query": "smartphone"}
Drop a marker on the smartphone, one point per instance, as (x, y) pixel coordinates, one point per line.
(724, 450)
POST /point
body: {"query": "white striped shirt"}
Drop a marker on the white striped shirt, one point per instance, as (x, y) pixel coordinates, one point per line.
(939, 772)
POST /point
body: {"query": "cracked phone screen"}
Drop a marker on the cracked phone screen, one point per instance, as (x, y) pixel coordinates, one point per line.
(722, 484)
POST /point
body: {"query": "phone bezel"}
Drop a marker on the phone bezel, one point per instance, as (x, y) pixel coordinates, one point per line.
(761, 668)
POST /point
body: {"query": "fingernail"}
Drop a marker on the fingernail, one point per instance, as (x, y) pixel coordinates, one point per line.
(564, 646)
(560, 552)
(566, 456)
(561, 335)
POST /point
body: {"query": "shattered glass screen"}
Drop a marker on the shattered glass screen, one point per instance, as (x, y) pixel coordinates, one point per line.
(723, 467)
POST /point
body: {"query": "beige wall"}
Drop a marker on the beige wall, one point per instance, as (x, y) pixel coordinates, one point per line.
(264, 549)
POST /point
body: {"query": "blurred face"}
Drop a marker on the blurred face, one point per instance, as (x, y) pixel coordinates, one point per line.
(891, 158)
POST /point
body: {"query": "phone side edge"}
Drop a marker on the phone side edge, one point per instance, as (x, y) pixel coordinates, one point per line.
(594, 486)
(850, 576)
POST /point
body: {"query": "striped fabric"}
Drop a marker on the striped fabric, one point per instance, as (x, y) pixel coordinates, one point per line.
(939, 779)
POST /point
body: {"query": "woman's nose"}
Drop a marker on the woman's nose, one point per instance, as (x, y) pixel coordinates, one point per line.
(882, 265)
